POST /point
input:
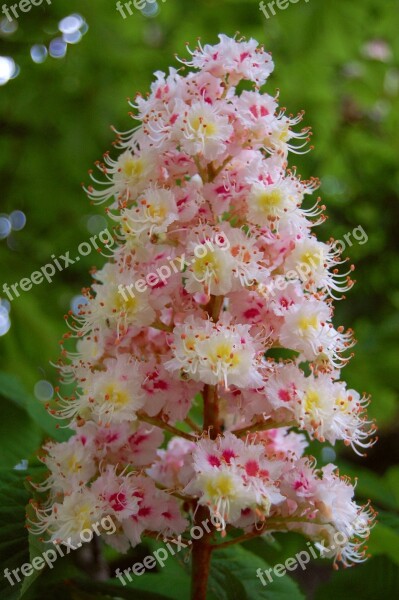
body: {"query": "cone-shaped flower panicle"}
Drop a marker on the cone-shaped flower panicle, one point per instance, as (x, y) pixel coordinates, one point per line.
(181, 401)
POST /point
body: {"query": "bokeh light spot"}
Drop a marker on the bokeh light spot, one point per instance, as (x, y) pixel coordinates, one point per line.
(38, 53)
(17, 220)
(58, 48)
(43, 390)
(8, 69)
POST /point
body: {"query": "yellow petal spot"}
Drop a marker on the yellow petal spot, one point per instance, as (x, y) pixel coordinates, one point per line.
(83, 516)
(127, 306)
(204, 128)
(312, 259)
(133, 167)
(157, 212)
(267, 201)
(224, 352)
(73, 464)
(284, 135)
(306, 323)
(205, 264)
(312, 401)
(222, 485)
(114, 394)
(342, 404)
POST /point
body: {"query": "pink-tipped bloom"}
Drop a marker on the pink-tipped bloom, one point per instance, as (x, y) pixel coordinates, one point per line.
(215, 270)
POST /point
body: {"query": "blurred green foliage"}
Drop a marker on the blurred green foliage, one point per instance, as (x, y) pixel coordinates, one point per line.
(338, 60)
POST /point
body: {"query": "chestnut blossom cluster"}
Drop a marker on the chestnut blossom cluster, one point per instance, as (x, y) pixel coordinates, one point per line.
(207, 159)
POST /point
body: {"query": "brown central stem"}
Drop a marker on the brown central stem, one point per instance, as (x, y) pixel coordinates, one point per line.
(201, 558)
(211, 412)
(202, 548)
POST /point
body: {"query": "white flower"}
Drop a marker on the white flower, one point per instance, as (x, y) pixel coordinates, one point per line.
(216, 353)
(304, 326)
(151, 216)
(205, 131)
(67, 519)
(223, 490)
(125, 178)
(277, 205)
(238, 60)
(112, 395)
(116, 304)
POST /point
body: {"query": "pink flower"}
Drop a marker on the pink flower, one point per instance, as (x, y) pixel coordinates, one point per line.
(215, 272)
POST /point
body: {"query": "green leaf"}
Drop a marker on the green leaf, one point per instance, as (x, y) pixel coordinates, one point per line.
(101, 590)
(19, 437)
(391, 478)
(389, 519)
(277, 547)
(384, 540)
(371, 485)
(377, 578)
(225, 584)
(12, 389)
(36, 548)
(234, 577)
(160, 580)
(14, 549)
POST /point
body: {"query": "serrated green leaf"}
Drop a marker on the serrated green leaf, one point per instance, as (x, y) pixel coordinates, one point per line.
(19, 437)
(12, 389)
(239, 564)
(159, 581)
(384, 540)
(12, 527)
(377, 578)
(101, 590)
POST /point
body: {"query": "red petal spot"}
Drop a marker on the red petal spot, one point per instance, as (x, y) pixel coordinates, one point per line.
(251, 313)
(254, 111)
(214, 461)
(252, 468)
(284, 302)
(137, 439)
(221, 190)
(144, 512)
(117, 501)
(284, 395)
(160, 385)
(228, 455)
